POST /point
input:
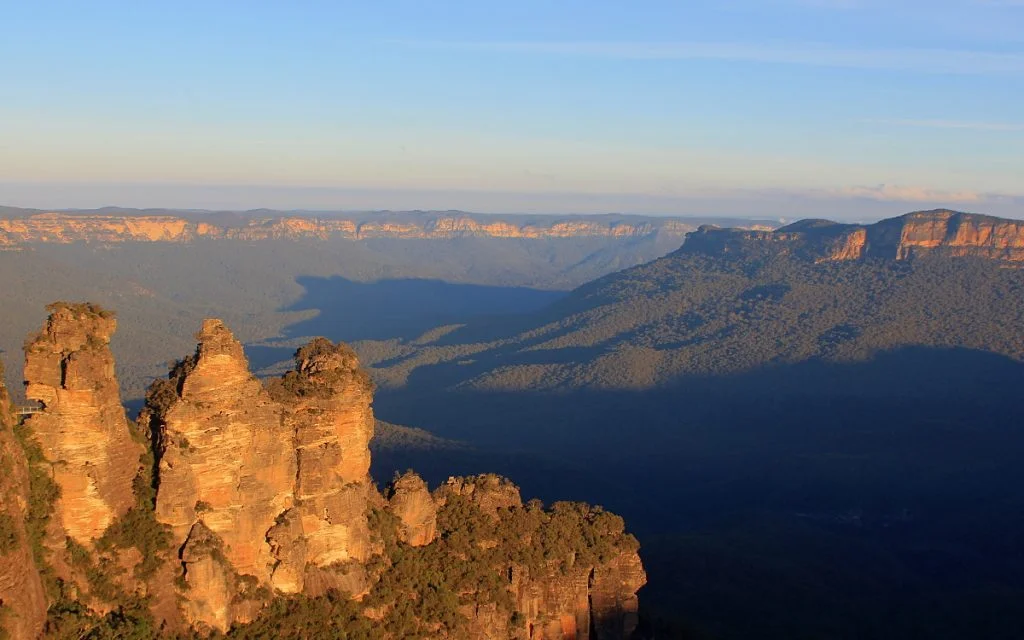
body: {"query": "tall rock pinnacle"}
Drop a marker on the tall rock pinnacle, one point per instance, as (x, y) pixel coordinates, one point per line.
(227, 463)
(327, 399)
(275, 479)
(82, 428)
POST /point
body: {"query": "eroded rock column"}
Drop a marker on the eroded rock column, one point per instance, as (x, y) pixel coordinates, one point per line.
(327, 400)
(82, 428)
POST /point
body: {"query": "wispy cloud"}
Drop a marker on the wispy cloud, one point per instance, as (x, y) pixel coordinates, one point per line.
(954, 61)
(900, 193)
(951, 124)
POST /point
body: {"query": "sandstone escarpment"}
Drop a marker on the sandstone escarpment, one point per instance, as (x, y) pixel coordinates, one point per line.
(81, 428)
(949, 233)
(256, 490)
(942, 232)
(22, 599)
(111, 228)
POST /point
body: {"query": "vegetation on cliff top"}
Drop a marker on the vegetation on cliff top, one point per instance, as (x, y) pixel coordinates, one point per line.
(418, 592)
(80, 309)
(321, 365)
(425, 592)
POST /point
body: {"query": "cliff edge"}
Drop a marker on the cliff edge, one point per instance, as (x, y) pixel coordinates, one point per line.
(942, 232)
(231, 497)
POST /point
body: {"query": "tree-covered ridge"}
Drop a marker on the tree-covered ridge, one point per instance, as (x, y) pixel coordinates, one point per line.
(697, 315)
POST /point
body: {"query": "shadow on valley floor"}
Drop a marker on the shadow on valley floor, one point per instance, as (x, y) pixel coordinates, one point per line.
(876, 499)
(386, 309)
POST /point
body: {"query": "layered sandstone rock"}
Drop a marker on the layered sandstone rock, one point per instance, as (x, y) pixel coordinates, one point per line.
(278, 474)
(410, 500)
(555, 606)
(947, 233)
(227, 463)
(613, 596)
(22, 599)
(107, 228)
(81, 428)
(326, 401)
(265, 488)
(227, 458)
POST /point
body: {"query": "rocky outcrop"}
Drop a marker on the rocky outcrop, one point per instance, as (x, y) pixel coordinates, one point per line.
(942, 232)
(108, 228)
(81, 428)
(22, 599)
(613, 596)
(327, 407)
(254, 489)
(571, 588)
(277, 473)
(555, 606)
(227, 465)
(487, 491)
(410, 500)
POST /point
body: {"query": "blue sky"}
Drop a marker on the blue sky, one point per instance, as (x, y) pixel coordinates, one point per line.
(842, 108)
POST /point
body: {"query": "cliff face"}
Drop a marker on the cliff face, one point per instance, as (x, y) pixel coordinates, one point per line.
(22, 600)
(65, 228)
(613, 600)
(81, 428)
(947, 233)
(263, 488)
(568, 598)
(327, 406)
(410, 500)
(227, 467)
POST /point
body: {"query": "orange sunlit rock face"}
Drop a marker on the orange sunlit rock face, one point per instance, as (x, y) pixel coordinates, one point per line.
(263, 489)
(82, 428)
(913, 235)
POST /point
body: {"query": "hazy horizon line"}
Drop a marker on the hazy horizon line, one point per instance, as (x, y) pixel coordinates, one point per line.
(855, 202)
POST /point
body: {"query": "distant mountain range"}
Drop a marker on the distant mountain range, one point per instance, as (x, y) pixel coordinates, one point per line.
(21, 226)
(813, 430)
(731, 300)
(362, 275)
